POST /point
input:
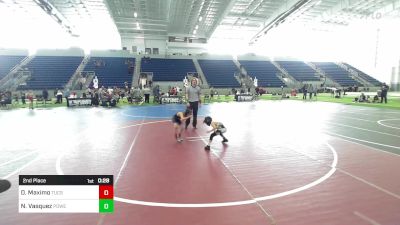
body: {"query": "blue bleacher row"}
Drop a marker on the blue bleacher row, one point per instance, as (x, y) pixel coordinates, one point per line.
(8, 62)
(112, 71)
(337, 73)
(265, 72)
(53, 72)
(299, 70)
(167, 69)
(365, 76)
(219, 73)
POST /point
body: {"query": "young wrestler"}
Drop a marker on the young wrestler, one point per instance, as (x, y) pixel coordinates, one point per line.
(217, 129)
(177, 120)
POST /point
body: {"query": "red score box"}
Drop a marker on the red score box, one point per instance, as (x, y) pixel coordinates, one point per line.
(106, 192)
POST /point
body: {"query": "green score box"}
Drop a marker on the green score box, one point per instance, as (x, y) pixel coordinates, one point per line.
(106, 206)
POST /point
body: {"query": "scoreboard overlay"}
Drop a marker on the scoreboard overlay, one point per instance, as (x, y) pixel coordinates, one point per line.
(66, 194)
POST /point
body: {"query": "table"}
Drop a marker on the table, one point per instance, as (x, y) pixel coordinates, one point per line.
(171, 100)
(79, 102)
(245, 98)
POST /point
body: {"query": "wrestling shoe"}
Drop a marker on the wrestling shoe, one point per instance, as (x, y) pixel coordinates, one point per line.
(207, 147)
(225, 140)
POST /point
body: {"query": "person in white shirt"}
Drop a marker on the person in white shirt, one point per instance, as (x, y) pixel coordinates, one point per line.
(95, 82)
(59, 96)
(185, 82)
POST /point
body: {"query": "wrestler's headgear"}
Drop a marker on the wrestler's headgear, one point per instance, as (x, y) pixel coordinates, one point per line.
(207, 120)
(188, 111)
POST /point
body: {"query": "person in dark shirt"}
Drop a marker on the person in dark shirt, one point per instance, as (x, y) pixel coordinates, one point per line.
(177, 120)
(384, 91)
(95, 98)
(23, 98)
(45, 95)
(2, 99)
(304, 92)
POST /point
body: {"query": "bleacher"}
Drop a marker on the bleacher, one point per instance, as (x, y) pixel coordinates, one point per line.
(167, 69)
(112, 71)
(365, 76)
(8, 62)
(299, 70)
(51, 72)
(219, 73)
(265, 72)
(337, 74)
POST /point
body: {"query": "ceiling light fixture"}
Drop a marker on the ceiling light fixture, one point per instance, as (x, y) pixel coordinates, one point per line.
(200, 18)
(135, 14)
(195, 31)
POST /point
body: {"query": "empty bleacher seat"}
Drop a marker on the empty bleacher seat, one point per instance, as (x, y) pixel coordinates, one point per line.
(112, 71)
(265, 72)
(365, 76)
(299, 70)
(51, 72)
(167, 69)
(8, 62)
(219, 73)
(337, 74)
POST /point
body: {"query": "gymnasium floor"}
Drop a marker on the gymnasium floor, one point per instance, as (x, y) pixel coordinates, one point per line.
(286, 163)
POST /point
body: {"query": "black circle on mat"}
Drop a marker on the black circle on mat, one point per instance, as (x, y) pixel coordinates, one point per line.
(4, 185)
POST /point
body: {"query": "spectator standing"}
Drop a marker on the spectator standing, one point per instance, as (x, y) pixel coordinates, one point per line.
(384, 91)
(156, 90)
(82, 82)
(23, 96)
(16, 98)
(146, 95)
(66, 95)
(30, 98)
(45, 95)
(95, 83)
(193, 93)
(95, 98)
(304, 92)
(2, 96)
(126, 86)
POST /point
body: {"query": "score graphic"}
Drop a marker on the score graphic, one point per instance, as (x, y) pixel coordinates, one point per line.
(66, 194)
(106, 196)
